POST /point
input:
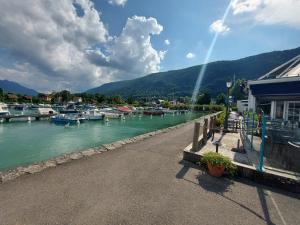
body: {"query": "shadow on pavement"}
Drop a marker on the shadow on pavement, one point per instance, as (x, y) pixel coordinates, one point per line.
(220, 186)
(263, 201)
(213, 184)
(185, 167)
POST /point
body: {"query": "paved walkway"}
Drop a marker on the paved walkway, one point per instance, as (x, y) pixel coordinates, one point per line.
(228, 142)
(141, 183)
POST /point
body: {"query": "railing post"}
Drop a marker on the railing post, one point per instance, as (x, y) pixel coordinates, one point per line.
(210, 124)
(253, 116)
(262, 145)
(196, 136)
(205, 130)
(213, 127)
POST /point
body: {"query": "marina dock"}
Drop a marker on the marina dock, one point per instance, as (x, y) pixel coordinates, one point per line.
(36, 116)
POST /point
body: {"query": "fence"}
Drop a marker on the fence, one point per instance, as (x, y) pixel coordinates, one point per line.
(271, 143)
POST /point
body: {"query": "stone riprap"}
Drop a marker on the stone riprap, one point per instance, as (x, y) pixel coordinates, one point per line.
(40, 166)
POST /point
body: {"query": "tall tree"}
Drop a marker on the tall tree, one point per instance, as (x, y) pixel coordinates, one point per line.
(204, 98)
(66, 96)
(221, 99)
(237, 92)
(1, 95)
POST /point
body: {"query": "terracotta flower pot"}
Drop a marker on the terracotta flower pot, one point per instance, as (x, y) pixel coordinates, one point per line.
(216, 171)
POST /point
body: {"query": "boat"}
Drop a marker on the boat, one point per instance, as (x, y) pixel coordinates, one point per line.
(44, 110)
(4, 109)
(169, 111)
(124, 109)
(111, 113)
(94, 114)
(66, 119)
(20, 107)
(154, 112)
(70, 109)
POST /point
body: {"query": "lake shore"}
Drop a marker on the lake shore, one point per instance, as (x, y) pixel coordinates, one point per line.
(143, 182)
(14, 173)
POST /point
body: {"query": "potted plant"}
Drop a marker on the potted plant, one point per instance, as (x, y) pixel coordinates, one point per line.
(217, 164)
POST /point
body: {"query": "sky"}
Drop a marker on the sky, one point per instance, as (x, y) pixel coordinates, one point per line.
(80, 44)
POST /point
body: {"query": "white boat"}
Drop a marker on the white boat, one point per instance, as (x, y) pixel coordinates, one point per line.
(4, 109)
(44, 110)
(94, 114)
(111, 113)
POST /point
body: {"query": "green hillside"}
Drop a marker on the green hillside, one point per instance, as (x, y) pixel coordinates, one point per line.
(181, 82)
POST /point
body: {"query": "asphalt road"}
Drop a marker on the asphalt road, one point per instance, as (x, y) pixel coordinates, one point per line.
(142, 183)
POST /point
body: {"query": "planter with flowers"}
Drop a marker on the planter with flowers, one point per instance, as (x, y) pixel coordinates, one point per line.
(217, 164)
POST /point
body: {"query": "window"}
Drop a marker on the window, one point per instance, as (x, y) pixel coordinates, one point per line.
(293, 112)
(279, 110)
(265, 105)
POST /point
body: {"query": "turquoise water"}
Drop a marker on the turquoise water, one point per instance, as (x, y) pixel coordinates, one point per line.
(23, 143)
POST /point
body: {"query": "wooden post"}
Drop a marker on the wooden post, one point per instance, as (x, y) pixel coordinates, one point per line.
(213, 130)
(196, 136)
(210, 125)
(205, 130)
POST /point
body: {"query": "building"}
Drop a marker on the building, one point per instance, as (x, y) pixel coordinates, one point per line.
(77, 99)
(242, 105)
(12, 97)
(46, 97)
(278, 92)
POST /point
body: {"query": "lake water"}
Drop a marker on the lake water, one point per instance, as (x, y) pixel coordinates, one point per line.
(23, 143)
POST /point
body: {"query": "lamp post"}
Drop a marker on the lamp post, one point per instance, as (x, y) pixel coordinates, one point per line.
(228, 85)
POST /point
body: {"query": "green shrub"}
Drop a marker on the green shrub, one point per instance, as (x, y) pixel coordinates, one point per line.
(220, 119)
(212, 108)
(216, 159)
(234, 109)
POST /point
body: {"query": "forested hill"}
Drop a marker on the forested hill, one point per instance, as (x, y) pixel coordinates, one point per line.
(181, 82)
(13, 87)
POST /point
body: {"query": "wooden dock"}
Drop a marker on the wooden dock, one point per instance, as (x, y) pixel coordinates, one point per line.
(37, 116)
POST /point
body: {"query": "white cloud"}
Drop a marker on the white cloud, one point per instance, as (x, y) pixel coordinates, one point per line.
(241, 6)
(167, 42)
(219, 27)
(270, 12)
(117, 2)
(52, 44)
(190, 55)
(132, 51)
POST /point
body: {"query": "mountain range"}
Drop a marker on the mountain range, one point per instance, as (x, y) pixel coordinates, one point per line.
(181, 82)
(13, 87)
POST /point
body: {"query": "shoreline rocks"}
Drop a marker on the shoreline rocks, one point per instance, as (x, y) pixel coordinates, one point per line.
(39, 167)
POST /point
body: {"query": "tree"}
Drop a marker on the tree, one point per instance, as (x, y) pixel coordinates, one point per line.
(1, 95)
(100, 98)
(221, 99)
(204, 98)
(236, 90)
(65, 95)
(116, 100)
(166, 104)
(130, 100)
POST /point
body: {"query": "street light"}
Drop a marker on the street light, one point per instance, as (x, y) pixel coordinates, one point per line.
(228, 85)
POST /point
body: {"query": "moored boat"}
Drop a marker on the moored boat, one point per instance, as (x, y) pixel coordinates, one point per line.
(4, 109)
(66, 119)
(111, 113)
(94, 114)
(154, 112)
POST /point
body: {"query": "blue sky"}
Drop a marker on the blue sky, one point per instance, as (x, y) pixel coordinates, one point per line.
(50, 45)
(186, 24)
